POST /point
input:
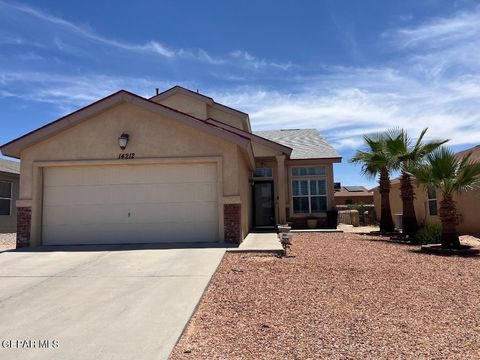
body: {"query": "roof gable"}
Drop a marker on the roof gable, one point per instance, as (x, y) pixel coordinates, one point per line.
(206, 99)
(14, 147)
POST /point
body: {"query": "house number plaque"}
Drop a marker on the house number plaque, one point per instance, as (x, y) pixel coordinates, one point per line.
(126, 156)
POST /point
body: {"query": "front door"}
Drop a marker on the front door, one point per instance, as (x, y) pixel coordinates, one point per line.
(263, 201)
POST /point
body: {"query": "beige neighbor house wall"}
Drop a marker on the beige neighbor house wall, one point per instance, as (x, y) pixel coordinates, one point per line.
(468, 207)
(8, 223)
(151, 137)
(396, 202)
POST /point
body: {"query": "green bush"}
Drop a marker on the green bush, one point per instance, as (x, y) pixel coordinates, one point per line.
(429, 234)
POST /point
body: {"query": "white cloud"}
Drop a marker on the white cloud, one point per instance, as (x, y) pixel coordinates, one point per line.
(152, 46)
(70, 92)
(426, 86)
(250, 61)
(441, 32)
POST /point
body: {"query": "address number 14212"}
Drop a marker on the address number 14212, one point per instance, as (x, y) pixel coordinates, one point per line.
(126, 156)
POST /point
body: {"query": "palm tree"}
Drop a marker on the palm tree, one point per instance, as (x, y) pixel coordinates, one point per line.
(375, 160)
(450, 175)
(409, 154)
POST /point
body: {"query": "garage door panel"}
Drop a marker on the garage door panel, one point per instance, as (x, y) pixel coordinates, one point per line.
(118, 204)
(129, 213)
(164, 232)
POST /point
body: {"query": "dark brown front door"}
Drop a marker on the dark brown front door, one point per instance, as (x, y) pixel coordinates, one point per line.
(263, 210)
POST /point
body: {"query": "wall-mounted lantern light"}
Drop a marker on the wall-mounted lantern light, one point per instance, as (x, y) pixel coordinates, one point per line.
(123, 141)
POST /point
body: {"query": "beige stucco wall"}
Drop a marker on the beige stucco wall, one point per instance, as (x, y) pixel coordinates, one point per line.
(396, 203)
(186, 104)
(245, 194)
(262, 151)
(200, 109)
(468, 207)
(151, 136)
(227, 118)
(8, 223)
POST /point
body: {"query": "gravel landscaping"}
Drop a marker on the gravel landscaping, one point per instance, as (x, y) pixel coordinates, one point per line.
(8, 241)
(338, 296)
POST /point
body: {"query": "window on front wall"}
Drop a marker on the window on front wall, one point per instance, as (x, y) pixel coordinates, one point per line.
(309, 191)
(5, 198)
(308, 171)
(432, 201)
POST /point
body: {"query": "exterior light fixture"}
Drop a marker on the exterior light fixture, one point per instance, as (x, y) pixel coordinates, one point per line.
(123, 141)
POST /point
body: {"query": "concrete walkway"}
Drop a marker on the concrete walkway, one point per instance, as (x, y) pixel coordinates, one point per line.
(115, 302)
(259, 242)
(316, 231)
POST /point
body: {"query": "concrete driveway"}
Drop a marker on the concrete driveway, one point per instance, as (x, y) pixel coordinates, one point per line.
(115, 302)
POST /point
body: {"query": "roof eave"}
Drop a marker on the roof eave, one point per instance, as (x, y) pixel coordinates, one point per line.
(255, 138)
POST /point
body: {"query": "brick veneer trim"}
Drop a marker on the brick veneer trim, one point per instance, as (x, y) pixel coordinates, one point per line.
(232, 222)
(24, 220)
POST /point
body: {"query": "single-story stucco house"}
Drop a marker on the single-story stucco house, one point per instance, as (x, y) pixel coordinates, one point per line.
(9, 183)
(353, 195)
(176, 167)
(427, 202)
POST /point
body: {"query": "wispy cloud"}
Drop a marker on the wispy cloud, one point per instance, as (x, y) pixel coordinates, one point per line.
(152, 46)
(250, 61)
(440, 32)
(69, 92)
(442, 46)
(427, 84)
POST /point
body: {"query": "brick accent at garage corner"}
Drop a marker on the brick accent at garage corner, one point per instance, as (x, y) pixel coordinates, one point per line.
(232, 222)
(24, 220)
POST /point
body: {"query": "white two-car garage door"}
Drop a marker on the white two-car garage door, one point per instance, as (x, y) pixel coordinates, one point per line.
(130, 204)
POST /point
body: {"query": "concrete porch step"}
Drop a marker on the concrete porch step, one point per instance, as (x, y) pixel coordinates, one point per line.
(260, 242)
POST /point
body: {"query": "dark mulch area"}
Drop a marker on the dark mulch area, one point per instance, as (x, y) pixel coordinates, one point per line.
(339, 296)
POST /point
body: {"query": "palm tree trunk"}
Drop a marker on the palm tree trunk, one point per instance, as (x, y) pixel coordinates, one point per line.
(409, 219)
(386, 221)
(448, 216)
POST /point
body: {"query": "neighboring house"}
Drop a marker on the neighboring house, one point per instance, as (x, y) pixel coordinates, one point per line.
(9, 181)
(427, 203)
(176, 167)
(353, 195)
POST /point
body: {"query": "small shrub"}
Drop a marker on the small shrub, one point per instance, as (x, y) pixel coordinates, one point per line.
(429, 234)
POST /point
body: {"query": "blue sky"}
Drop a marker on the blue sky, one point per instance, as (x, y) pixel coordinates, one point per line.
(344, 67)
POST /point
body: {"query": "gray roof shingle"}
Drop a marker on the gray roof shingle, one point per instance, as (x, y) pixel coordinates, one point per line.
(9, 166)
(306, 143)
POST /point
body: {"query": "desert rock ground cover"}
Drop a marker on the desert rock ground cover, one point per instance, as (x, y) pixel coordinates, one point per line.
(339, 296)
(7, 241)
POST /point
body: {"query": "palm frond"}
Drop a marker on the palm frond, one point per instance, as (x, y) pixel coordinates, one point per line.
(445, 171)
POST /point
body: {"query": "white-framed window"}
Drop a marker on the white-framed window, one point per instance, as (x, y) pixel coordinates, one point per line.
(309, 190)
(432, 201)
(265, 172)
(6, 198)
